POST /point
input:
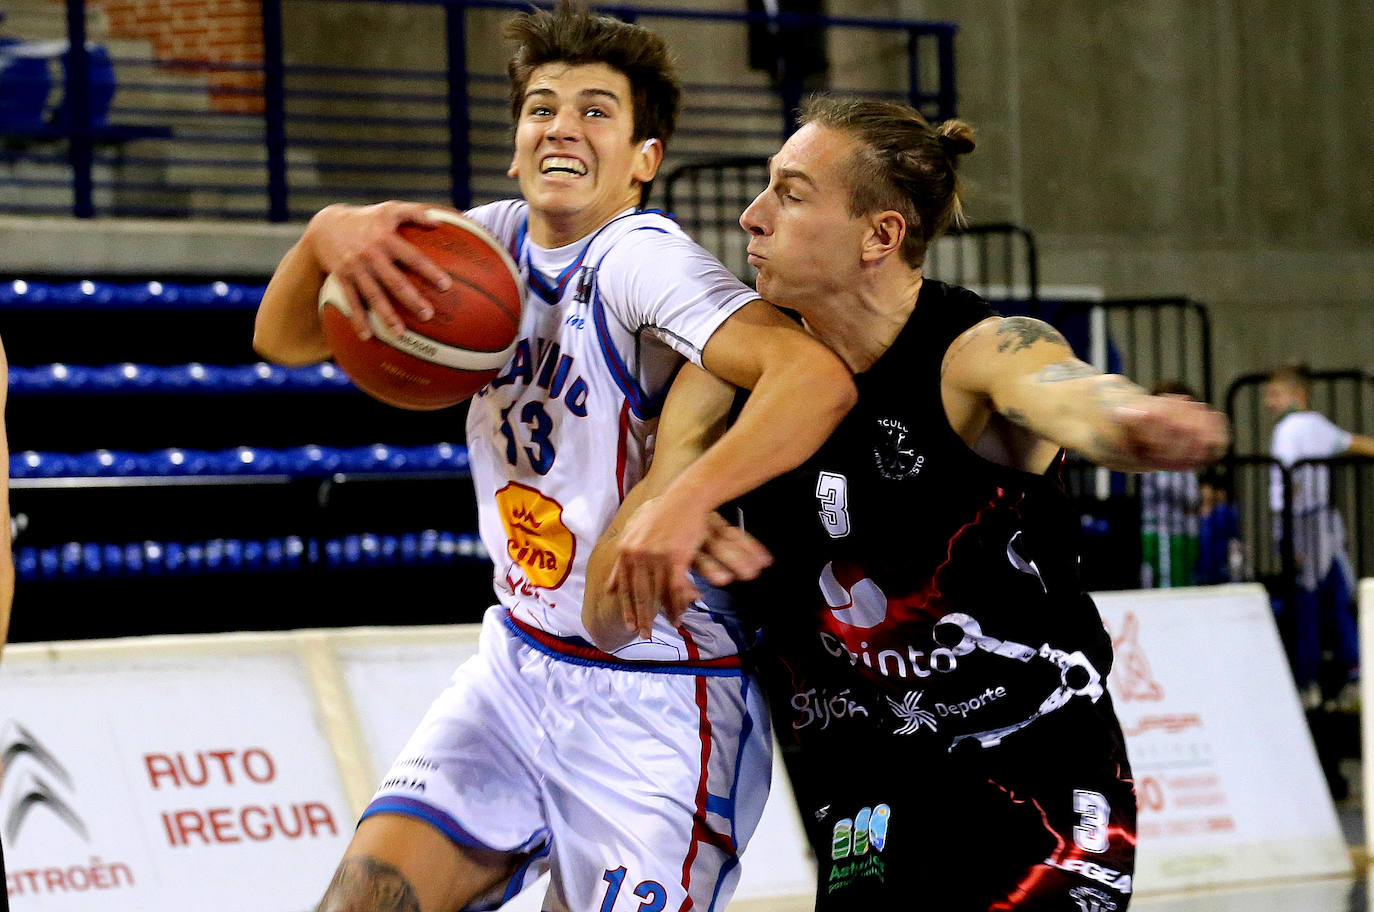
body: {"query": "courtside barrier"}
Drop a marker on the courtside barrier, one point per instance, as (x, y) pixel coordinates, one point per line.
(247, 752)
(1229, 786)
(255, 752)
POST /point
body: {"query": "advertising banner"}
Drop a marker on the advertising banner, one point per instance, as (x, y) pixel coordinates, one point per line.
(165, 775)
(1227, 778)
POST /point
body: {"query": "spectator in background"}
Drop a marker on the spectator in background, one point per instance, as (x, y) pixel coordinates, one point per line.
(1168, 517)
(1221, 552)
(1325, 583)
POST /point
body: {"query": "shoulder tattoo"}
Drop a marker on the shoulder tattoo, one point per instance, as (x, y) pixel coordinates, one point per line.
(1023, 332)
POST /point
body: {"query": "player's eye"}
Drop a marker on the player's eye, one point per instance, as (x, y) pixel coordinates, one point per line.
(538, 110)
(597, 112)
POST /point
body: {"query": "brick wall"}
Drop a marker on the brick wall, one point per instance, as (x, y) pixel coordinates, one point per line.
(213, 31)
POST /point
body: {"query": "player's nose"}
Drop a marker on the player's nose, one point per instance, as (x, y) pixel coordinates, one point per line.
(566, 124)
(751, 219)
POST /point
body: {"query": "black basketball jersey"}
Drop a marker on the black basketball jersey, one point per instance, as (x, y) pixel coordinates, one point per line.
(919, 590)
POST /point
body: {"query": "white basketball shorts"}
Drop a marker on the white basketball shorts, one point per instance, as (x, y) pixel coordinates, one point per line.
(637, 786)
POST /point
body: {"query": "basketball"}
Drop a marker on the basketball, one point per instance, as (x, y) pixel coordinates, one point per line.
(444, 360)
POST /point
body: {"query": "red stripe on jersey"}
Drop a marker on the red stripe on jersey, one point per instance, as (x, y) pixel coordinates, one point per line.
(700, 831)
(622, 448)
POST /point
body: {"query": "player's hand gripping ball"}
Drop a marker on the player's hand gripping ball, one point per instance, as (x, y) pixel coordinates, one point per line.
(444, 360)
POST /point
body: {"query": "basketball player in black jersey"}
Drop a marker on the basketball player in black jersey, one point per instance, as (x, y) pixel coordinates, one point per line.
(936, 672)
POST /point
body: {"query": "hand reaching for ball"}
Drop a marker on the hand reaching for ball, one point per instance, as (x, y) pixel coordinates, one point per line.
(363, 248)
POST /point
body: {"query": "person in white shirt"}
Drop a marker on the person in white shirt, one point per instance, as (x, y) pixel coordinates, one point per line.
(1325, 581)
(635, 778)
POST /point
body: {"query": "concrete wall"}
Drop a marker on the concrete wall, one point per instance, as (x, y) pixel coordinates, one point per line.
(1214, 148)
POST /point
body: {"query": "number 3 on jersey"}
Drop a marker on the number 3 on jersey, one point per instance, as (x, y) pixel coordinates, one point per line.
(833, 492)
(537, 425)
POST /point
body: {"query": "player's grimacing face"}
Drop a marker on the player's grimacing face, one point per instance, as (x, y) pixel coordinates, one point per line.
(803, 241)
(574, 153)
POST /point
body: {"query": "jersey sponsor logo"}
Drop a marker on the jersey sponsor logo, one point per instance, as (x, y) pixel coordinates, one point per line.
(1131, 675)
(1090, 899)
(888, 662)
(1094, 871)
(894, 455)
(856, 835)
(972, 704)
(910, 714)
(862, 838)
(537, 541)
(823, 707)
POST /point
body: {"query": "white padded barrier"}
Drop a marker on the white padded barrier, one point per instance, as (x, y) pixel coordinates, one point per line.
(155, 773)
(1229, 785)
(152, 773)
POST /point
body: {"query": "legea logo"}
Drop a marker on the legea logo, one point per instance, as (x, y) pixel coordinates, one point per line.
(31, 778)
(1132, 677)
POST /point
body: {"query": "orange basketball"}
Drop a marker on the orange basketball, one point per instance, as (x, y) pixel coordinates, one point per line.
(444, 360)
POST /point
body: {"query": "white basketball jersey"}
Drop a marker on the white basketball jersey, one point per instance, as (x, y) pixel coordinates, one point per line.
(566, 428)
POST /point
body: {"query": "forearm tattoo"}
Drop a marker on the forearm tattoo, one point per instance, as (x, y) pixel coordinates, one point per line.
(366, 884)
(1023, 332)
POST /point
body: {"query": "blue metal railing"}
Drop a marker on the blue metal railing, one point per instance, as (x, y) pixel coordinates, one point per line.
(243, 157)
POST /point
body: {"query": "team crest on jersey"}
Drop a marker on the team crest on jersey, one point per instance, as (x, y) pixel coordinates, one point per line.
(537, 541)
(894, 455)
(586, 282)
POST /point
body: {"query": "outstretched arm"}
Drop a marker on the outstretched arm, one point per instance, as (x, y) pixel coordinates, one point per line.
(800, 391)
(360, 246)
(1025, 371)
(694, 417)
(1360, 445)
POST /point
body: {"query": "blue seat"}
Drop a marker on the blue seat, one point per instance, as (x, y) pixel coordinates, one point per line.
(24, 86)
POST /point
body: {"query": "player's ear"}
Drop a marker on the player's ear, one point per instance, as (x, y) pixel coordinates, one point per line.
(514, 169)
(647, 159)
(886, 231)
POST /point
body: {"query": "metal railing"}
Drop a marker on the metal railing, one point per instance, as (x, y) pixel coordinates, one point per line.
(304, 133)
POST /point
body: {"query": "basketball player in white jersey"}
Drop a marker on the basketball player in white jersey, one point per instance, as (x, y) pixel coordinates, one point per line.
(637, 777)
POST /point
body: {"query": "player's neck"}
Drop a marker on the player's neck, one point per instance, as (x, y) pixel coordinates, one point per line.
(552, 230)
(863, 327)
